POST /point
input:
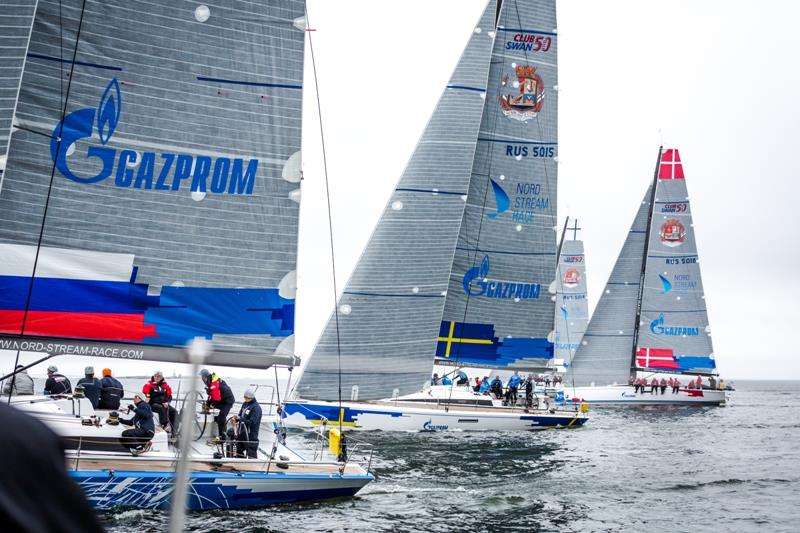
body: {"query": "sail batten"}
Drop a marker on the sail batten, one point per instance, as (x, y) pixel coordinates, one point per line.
(166, 147)
(389, 311)
(499, 311)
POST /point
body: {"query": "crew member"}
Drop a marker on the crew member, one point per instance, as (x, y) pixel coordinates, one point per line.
(20, 384)
(477, 386)
(699, 382)
(712, 383)
(56, 383)
(220, 397)
(435, 379)
(663, 385)
(249, 419)
(513, 387)
(110, 391)
(497, 387)
(160, 395)
(91, 386)
(463, 379)
(485, 385)
(137, 439)
(654, 386)
(529, 392)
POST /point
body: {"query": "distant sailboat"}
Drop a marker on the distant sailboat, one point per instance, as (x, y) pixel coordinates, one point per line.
(151, 197)
(572, 305)
(651, 318)
(451, 274)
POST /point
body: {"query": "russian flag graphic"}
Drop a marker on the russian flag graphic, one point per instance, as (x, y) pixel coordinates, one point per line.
(91, 295)
(75, 294)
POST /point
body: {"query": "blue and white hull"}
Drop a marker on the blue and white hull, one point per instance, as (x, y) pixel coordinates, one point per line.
(620, 395)
(140, 489)
(435, 409)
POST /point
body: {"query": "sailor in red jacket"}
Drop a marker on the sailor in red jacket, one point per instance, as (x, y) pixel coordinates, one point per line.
(159, 395)
(220, 397)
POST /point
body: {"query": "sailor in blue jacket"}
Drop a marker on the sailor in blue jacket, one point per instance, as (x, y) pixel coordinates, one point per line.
(249, 419)
(513, 388)
(497, 387)
(485, 384)
(137, 439)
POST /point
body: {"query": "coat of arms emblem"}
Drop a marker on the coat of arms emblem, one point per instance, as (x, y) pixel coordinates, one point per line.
(571, 277)
(672, 233)
(530, 100)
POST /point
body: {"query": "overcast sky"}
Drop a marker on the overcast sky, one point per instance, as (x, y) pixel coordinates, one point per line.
(715, 79)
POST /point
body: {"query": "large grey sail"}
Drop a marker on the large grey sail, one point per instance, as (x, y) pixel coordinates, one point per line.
(674, 334)
(16, 21)
(158, 154)
(389, 312)
(605, 353)
(498, 311)
(572, 306)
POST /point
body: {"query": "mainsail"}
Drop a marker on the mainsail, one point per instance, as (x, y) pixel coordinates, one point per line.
(572, 306)
(151, 191)
(498, 311)
(389, 311)
(657, 279)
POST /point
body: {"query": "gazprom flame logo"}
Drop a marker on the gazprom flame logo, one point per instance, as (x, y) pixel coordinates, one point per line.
(140, 170)
(496, 289)
(657, 327)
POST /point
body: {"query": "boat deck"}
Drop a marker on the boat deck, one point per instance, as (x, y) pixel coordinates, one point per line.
(448, 407)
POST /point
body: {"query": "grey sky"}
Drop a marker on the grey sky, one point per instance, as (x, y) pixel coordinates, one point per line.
(714, 79)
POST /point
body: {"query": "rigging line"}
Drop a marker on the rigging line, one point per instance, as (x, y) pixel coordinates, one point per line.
(50, 185)
(330, 217)
(485, 191)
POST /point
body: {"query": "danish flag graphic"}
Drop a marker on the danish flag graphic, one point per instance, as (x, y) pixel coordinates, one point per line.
(656, 358)
(671, 167)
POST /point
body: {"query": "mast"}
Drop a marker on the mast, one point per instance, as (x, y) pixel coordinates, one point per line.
(634, 348)
(561, 241)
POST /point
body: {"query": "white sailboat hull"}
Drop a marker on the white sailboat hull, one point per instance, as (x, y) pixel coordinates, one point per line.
(616, 395)
(439, 408)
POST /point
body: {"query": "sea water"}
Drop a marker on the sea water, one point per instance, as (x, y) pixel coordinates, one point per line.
(734, 468)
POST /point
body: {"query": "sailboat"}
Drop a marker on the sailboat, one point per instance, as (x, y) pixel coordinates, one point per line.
(478, 197)
(651, 320)
(150, 197)
(572, 305)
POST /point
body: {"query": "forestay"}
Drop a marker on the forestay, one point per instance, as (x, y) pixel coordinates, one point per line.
(158, 155)
(498, 311)
(389, 312)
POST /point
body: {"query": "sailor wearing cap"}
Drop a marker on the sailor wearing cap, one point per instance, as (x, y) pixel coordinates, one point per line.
(137, 439)
(249, 419)
(91, 386)
(56, 383)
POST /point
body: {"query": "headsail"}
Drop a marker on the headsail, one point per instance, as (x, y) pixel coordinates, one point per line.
(572, 306)
(162, 169)
(674, 334)
(604, 354)
(498, 310)
(391, 307)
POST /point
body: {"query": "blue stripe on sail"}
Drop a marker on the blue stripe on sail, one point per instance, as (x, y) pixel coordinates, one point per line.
(690, 362)
(517, 30)
(484, 139)
(387, 295)
(466, 88)
(74, 295)
(630, 283)
(69, 61)
(667, 311)
(431, 191)
(637, 231)
(670, 256)
(503, 252)
(476, 344)
(606, 335)
(184, 313)
(250, 83)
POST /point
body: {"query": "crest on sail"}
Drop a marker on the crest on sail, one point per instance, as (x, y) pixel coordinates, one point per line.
(157, 176)
(657, 279)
